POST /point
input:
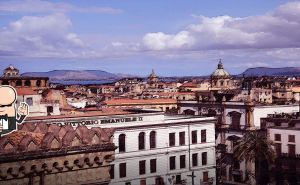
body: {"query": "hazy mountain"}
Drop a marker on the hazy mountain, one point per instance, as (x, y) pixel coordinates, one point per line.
(65, 75)
(266, 71)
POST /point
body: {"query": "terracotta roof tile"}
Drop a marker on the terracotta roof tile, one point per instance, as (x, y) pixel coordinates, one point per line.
(84, 133)
(42, 136)
(139, 101)
(47, 140)
(26, 91)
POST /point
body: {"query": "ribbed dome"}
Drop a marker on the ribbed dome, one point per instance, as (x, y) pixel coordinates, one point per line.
(220, 71)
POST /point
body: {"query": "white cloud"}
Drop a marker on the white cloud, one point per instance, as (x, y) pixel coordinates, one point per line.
(40, 36)
(38, 6)
(277, 29)
(160, 41)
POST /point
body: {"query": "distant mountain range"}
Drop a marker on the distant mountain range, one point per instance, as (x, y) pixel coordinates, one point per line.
(78, 76)
(100, 77)
(266, 71)
(75, 75)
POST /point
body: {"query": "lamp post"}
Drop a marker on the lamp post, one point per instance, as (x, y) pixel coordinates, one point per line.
(192, 175)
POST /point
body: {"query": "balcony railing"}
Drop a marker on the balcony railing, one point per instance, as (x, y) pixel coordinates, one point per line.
(290, 155)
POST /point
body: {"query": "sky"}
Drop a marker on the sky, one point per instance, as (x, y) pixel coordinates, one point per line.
(173, 37)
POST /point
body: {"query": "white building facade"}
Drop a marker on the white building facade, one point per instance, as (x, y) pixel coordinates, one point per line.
(168, 153)
(234, 120)
(154, 148)
(38, 106)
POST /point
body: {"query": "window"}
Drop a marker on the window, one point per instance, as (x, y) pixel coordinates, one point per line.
(181, 138)
(27, 83)
(122, 170)
(127, 183)
(143, 182)
(172, 163)
(152, 139)
(172, 139)
(203, 136)
(278, 148)
(29, 101)
(236, 120)
(292, 150)
(152, 165)
(182, 161)
(292, 138)
(159, 181)
(38, 83)
(204, 158)
(142, 141)
(178, 179)
(5, 82)
(19, 83)
(112, 171)
(194, 136)
(277, 137)
(205, 176)
(195, 159)
(142, 165)
(122, 143)
(49, 110)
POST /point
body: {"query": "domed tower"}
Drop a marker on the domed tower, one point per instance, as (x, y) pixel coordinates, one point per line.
(220, 78)
(11, 71)
(153, 79)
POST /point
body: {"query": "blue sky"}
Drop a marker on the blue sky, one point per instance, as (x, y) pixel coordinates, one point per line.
(174, 37)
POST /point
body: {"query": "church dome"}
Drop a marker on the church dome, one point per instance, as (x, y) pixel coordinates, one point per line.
(152, 75)
(220, 71)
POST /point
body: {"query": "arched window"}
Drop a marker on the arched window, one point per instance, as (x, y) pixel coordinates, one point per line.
(235, 120)
(142, 141)
(122, 142)
(222, 83)
(152, 139)
(38, 83)
(19, 83)
(27, 83)
(5, 82)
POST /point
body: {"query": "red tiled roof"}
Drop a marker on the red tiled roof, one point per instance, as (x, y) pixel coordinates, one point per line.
(21, 139)
(103, 112)
(189, 84)
(175, 93)
(139, 101)
(26, 91)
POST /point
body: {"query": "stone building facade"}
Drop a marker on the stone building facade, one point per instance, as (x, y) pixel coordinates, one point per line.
(12, 77)
(42, 154)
